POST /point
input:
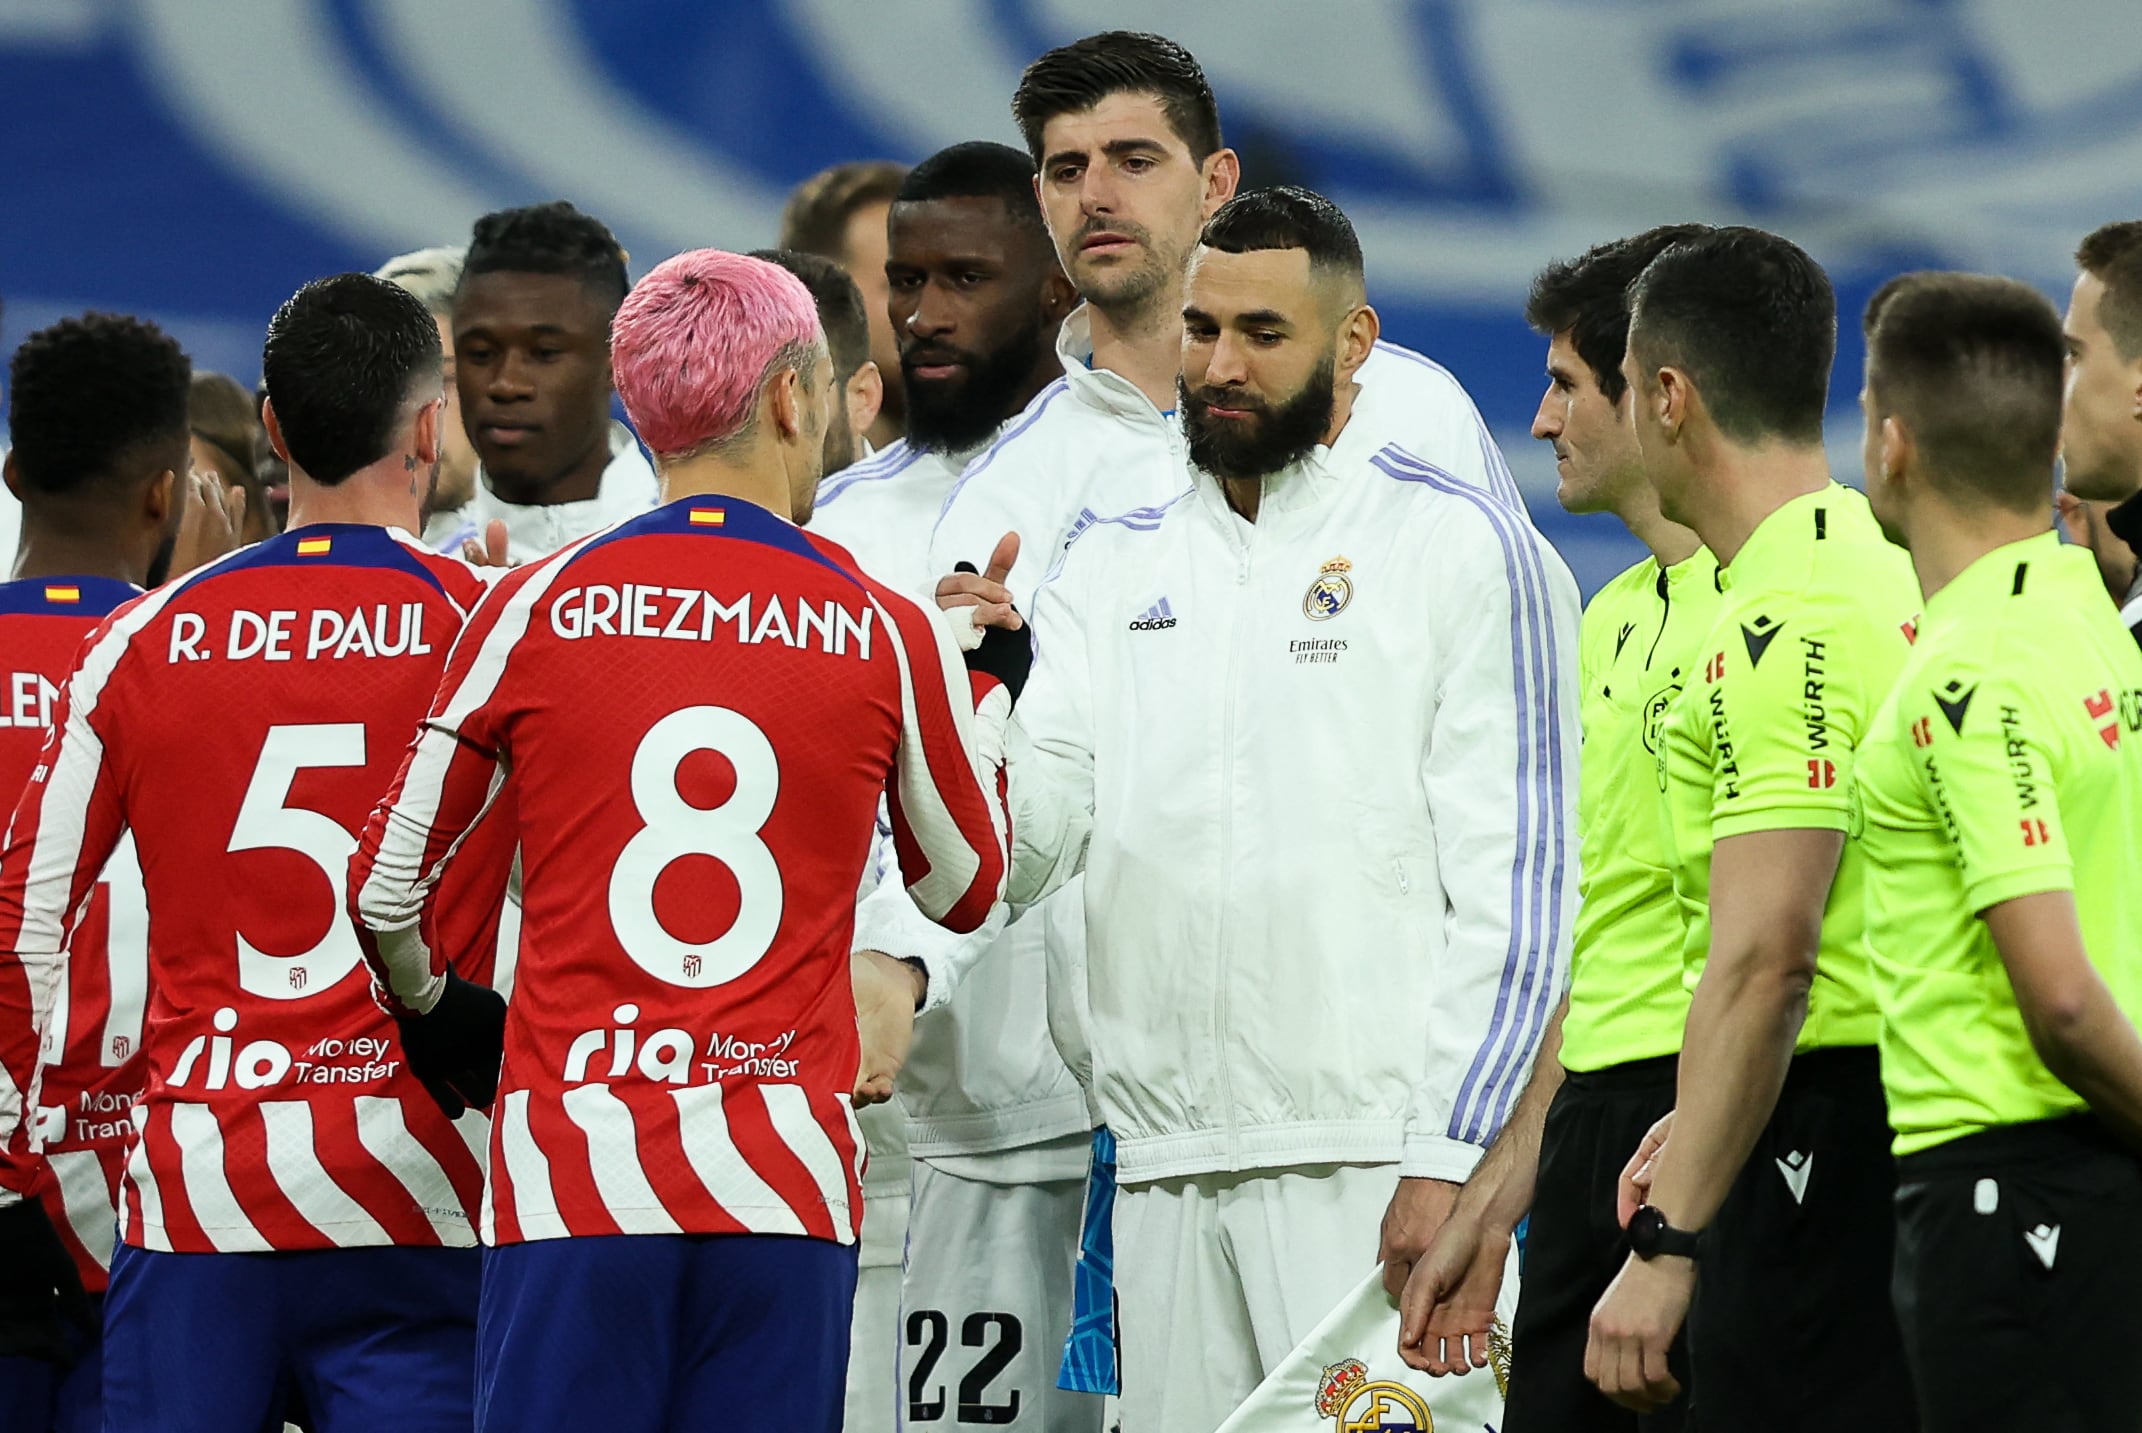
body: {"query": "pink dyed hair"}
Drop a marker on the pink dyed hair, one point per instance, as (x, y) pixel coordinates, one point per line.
(695, 339)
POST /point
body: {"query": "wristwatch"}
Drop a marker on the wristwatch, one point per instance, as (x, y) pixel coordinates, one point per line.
(1650, 1236)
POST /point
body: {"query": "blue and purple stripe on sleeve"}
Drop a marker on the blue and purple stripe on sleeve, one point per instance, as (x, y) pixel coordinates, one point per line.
(1529, 985)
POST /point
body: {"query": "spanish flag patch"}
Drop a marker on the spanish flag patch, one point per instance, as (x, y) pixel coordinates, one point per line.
(63, 594)
(315, 546)
(709, 517)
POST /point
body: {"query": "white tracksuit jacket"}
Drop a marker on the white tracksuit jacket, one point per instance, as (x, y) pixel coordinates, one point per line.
(1092, 448)
(983, 1076)
(1320, 774)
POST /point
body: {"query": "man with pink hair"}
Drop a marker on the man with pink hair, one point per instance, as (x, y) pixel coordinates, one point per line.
(700, 708)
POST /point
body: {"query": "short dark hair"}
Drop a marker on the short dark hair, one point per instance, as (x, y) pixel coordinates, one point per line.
(815, 219)
(840, 306)
(1286, 217)
(2113, 255)
(1752, 319)
(1588, 298)
(89, 394)
(1073, 78)
(553, 238)
(977, 169)
(343, 356)
(223, 415)
(1974, 366)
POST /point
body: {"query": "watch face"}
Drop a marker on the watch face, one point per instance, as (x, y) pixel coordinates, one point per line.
(1645, 1227)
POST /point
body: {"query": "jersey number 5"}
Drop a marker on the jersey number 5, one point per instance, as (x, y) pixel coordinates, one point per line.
(266, 822)
(674, 828)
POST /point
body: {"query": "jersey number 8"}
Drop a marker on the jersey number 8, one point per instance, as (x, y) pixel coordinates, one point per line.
(673, 828)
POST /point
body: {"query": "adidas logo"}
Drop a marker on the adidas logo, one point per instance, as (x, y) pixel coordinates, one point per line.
(1155, 618)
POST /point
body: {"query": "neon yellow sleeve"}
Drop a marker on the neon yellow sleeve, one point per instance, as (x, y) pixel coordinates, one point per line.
(1986, 751)
(1788, 708)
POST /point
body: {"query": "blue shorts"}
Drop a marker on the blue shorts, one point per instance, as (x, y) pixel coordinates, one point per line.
(647, 1333)
(37, 1396)
(231, 1343)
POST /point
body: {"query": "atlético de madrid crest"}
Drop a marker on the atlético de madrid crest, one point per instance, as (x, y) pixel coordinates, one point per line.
(1328, 595)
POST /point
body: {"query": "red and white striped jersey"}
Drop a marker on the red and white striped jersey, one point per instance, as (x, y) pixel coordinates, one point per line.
(701, 708)
(241, 722)
(91, 1053)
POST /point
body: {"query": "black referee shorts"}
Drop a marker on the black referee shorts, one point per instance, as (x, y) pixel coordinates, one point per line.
(1792, 1329)
(2019, 1279)
(1574, 1248)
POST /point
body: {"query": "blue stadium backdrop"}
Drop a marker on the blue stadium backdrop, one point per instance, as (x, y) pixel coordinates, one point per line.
(195, 160)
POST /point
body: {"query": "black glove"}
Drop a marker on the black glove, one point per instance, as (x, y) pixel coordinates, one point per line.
(43, 1312)
(456, 1047)
(1006, 655)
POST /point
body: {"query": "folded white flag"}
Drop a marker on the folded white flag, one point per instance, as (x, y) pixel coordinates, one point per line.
(1347, 1376)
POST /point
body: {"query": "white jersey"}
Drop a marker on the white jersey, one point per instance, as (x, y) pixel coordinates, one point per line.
(983, 1076)
(1319, 771)
(534, 530)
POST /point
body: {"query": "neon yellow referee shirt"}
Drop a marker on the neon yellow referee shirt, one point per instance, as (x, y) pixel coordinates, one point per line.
(2007, 762)
(1818, 614)
(1636, 650)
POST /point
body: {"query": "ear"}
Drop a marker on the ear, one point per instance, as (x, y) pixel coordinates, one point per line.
(784, 401)
(2134, 389)
(1897, 449)
(1357, 340)
(1058, 298)
(1223, 173)
(13, 478)
(865, 396)
(274, 426)
(160, 497)
(1676, 401)
(428, 420)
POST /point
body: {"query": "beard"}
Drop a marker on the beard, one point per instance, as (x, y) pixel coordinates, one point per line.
(839, 449)
(1254, 448)
(951, 417)
(1119, 290)
(428, 507)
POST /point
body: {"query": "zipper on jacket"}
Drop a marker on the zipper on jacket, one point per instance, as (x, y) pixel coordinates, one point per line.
(1227, 849)
(1665, 611)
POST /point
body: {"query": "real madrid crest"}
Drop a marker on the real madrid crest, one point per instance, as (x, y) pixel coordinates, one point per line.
(1328, 595)
(1357, 1404)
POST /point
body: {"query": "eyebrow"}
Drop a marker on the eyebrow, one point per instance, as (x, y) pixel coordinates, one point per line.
(541, 329)
(1115, 149)
(1262, 318)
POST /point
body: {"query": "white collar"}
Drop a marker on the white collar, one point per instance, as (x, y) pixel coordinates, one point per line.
(1102, 389)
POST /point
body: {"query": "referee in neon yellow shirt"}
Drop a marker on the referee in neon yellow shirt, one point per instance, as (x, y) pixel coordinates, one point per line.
(1560, 1153)
(2001, 792)
(1778, 1154)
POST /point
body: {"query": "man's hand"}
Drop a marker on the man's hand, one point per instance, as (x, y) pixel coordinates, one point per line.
(1449, 1301)
(43, 1312)
(455, 1047)
(1633, 1190)
(887, 994)
(210, 522)
(986, 591)
(1416, 1212)
(1633, 1327)
(490, 551)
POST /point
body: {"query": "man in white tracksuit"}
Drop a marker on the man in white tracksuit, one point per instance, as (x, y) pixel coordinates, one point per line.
(1126, 133)
(1309, 729)
(997, 1126)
